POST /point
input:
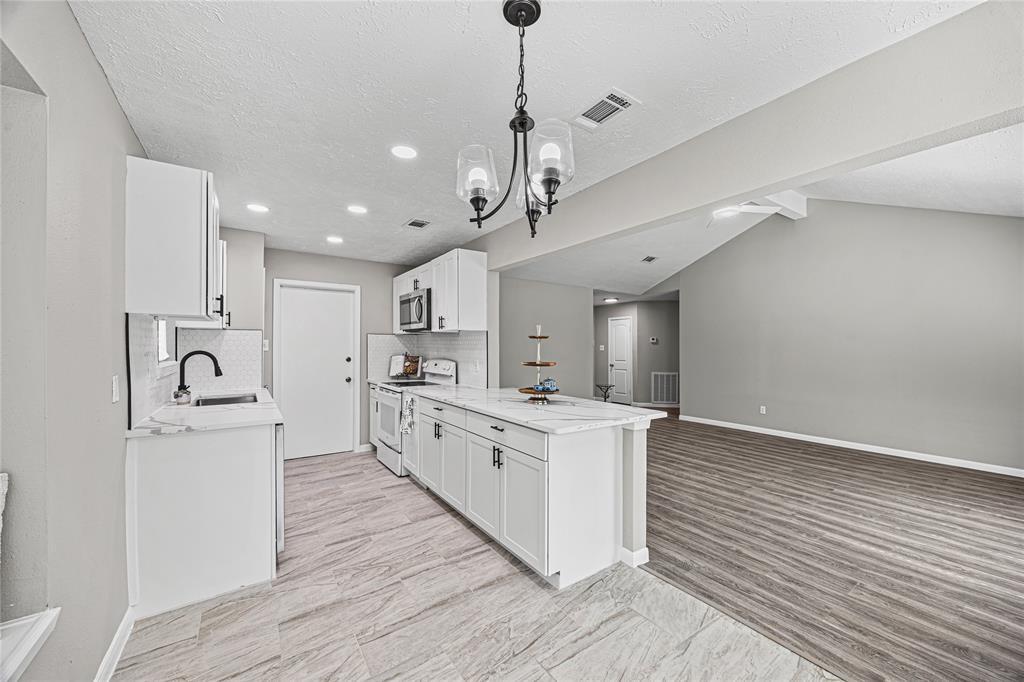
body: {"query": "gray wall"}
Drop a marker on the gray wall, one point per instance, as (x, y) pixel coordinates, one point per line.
(566, 312)
(375, 281)
(887, 326)
(88, 140)
(23, 361)
(650, 318)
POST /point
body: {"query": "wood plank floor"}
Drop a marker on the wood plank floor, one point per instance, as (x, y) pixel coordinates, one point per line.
(873, 567)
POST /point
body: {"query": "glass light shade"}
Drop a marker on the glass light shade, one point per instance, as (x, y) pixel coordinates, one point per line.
(551, 154)
(521, 197)
(476, 176)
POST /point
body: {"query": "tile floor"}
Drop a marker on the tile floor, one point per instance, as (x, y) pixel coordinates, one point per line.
(380, 581)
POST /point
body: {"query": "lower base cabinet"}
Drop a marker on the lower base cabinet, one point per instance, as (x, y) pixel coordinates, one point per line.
(502, 491)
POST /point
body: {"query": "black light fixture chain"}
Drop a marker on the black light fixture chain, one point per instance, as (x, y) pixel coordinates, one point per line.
(520, 90)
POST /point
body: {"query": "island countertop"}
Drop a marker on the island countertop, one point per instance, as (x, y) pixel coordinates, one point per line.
(561, 415)
(171, 418)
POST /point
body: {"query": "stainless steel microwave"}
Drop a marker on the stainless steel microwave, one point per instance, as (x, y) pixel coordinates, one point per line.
(414, 311)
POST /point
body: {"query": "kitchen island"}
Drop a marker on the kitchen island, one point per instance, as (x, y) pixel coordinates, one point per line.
(562, 486)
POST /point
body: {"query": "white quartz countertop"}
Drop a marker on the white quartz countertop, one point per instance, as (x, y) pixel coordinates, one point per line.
(172, 418)
(561, 415)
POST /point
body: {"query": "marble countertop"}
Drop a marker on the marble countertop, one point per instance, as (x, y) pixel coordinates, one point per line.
(562, 415)
(172, 418)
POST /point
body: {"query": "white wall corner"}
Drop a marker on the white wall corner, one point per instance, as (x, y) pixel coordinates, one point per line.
(634, 558)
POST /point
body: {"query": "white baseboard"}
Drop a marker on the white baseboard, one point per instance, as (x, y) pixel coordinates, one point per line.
(364, 447)
(634, 558)
(658, 406)
(877, 449)
(113, 655)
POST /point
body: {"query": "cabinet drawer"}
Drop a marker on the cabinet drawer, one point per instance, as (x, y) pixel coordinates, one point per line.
(521, 438)
(456, 416)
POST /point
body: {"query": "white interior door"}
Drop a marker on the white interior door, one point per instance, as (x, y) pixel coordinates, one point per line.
(620, 359)
(316, 367)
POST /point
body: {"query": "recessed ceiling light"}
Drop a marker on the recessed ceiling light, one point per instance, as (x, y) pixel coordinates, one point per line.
(355, 208)
(257, 208)
(403, 152)
(334, 239)
(611, 300)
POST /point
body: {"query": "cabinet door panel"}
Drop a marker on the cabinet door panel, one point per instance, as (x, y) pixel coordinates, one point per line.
(451, 291)
(482, 484)
(453, 466)
(430, 454)
(411, 448)
(524, 507)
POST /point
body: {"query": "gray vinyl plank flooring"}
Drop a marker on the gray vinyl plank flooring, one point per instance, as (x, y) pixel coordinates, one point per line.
(380, 581)
(871, 567)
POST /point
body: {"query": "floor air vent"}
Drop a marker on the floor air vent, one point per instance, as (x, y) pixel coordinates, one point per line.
(614, 102)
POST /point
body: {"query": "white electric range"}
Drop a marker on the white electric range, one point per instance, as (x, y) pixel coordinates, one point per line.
(393, 408)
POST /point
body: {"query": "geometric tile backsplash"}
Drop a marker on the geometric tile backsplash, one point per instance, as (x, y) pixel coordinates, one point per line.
(239, 352)
(467, 349)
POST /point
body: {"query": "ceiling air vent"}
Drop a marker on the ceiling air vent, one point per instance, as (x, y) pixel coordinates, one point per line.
(649, 259)
(605, 108)
(417, 223)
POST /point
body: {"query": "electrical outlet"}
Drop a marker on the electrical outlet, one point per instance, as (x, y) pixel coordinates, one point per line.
(115, 389)
(600, 347)
(764, 409)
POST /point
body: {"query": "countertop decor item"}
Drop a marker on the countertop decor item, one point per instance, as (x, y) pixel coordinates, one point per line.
(605, 390)
(540, 390)
(548, 163)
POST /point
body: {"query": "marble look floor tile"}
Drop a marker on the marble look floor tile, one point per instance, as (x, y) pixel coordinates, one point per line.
(381, 580)
(430, 667)
(671, 609)
(159, 631)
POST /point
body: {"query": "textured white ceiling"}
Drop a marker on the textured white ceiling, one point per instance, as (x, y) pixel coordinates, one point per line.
(617, 264)
(982, 174)
(295, 105)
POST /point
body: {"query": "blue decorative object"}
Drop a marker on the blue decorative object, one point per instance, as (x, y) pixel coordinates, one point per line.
(549, 385)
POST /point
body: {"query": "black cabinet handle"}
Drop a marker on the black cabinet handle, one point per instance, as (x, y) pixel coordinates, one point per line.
(499, 457)
(220, 310)
(440, 322)
(229, 318)
(494, 455)
(498, 428)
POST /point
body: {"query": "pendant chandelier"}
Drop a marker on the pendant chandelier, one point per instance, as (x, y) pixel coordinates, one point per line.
(547, 162)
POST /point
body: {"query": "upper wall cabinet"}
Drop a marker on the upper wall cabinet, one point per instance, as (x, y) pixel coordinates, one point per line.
(458, 291)
(172, 239)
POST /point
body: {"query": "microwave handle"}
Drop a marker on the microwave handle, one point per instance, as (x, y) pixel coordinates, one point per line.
(419, 308)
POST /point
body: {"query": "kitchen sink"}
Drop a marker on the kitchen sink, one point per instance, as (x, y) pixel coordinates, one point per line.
(226, 400)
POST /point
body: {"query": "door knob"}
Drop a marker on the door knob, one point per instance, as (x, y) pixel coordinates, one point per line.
(611, 364)
(346, 359)
(348, 380)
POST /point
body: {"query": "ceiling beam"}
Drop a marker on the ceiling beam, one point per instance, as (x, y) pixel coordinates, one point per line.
(958, 79)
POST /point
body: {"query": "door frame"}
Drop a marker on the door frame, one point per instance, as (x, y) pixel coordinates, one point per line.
(279, 284)
(632, 354)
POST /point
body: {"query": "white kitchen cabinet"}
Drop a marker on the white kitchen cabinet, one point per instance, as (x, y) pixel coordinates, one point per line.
(483, 483)
(458, 291)
(430, 452)
(374, 420)
(172, 228)
(453, 466)
(222, 321)
(524, 507)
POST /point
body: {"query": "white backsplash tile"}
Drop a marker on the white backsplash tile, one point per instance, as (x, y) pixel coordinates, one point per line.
(468, 349)
(239, 352)
(148, 389)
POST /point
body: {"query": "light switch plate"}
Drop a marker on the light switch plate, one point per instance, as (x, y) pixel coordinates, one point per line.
(601, 347)
(266, 345)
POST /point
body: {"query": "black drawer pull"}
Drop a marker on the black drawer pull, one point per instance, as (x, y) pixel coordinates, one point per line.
(439, 409)
(498, 428)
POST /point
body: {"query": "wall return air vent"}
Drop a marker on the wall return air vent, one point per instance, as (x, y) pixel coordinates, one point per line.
(613, 103)
(649, 259)
(417, 223)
